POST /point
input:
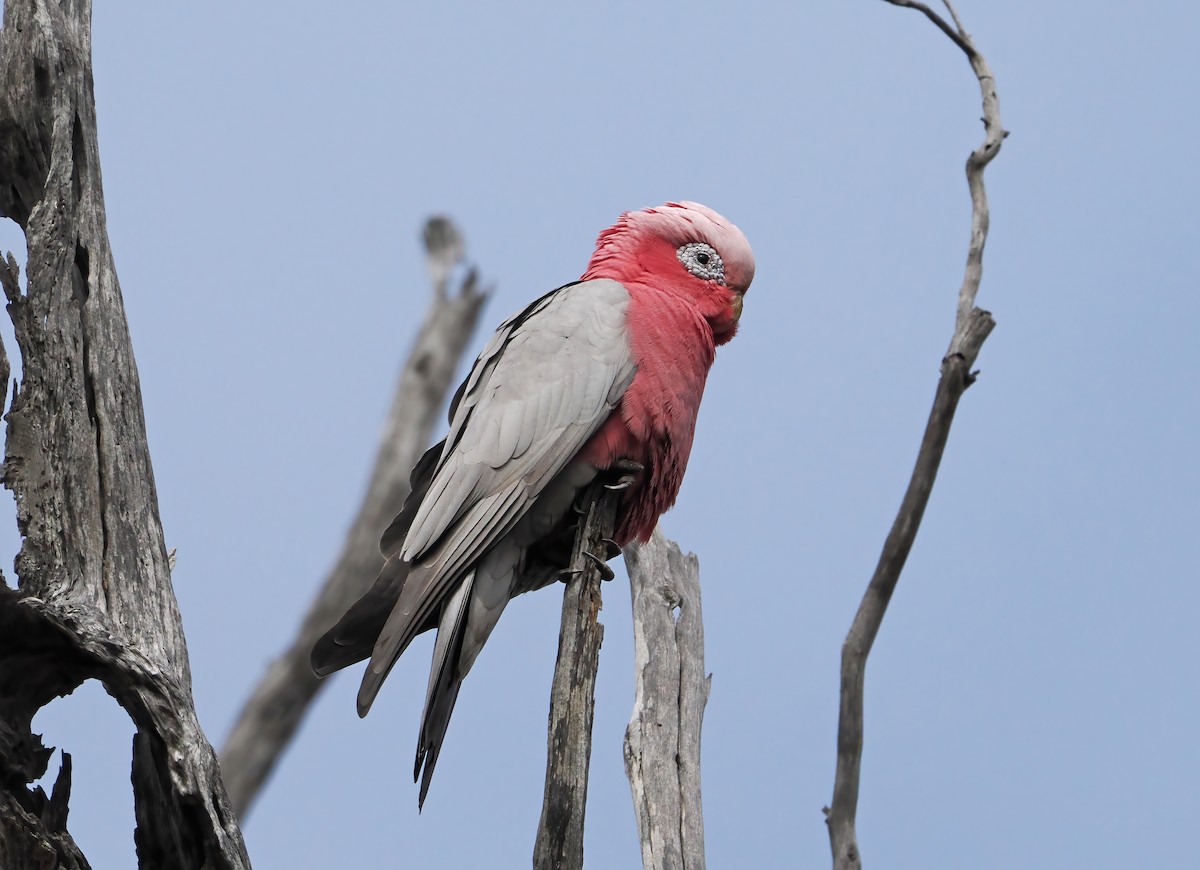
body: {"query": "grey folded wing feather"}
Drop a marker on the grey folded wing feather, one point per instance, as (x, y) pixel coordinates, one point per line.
(544, 384)
(353, 637)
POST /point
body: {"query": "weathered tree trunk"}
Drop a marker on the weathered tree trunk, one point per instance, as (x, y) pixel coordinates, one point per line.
(662, 740)
(94, 598)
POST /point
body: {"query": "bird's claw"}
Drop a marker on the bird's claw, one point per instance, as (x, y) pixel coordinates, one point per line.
(611, 548)
(566, 574)
(606, 573)
(629, 473)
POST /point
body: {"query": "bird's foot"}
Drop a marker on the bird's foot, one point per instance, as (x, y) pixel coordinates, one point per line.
(626, 472)
(621, 475)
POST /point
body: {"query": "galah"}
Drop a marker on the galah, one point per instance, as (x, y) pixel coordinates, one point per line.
(602, 376)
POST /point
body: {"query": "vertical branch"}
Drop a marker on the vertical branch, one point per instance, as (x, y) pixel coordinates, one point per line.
(559, 844)
(662, 740)
(972, 327)
(277, 705)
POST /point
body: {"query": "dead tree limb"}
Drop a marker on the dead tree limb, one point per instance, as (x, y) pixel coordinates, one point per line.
(559, 844)
(662, 740)
(94, 596)
(278, 704)
(972, 327)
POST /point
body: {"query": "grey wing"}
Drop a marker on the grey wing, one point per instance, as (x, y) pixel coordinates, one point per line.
(545, 383)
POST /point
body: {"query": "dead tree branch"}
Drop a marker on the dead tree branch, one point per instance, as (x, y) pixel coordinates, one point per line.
(94, 598)
(662, 740)
(972, 327)
(559, 844)
(278, 704)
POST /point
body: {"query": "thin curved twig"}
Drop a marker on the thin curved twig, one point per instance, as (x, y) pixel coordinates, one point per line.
(972, 327)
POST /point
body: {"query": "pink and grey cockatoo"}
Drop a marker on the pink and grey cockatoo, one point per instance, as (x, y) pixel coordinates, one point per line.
(600, 377)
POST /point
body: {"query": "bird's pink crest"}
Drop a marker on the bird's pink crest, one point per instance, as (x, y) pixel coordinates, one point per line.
(635, 245)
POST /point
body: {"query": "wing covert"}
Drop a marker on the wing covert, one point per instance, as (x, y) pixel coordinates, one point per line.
(547, 380)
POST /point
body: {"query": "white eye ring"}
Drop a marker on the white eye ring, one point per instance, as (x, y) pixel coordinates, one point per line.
(702, 260)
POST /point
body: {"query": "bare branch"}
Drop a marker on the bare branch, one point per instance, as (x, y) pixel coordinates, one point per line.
(276, 707)
(559, 844)
(957, 21)
(960, 38)
(95, 596)
(972, 327)
(662, 740)
(444, 249)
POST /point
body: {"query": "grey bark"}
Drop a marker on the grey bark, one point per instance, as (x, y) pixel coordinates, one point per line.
(277, 705)
(972, 327)
(559, 844)
(94, 598)
(662, 740)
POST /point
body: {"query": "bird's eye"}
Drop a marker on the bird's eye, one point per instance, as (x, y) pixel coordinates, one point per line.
(702, 260)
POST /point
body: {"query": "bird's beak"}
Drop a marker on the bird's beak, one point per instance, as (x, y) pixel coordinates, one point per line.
(737, 307)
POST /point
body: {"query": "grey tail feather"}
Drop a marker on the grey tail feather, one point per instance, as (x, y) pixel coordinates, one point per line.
(372, 682)
(433, 732)
(353, 637)
(444, 682)
(400, 629)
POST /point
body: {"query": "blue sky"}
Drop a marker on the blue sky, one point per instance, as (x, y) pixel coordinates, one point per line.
(1031, 700)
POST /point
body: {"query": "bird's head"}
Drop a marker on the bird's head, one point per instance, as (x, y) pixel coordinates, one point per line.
(685, 249)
